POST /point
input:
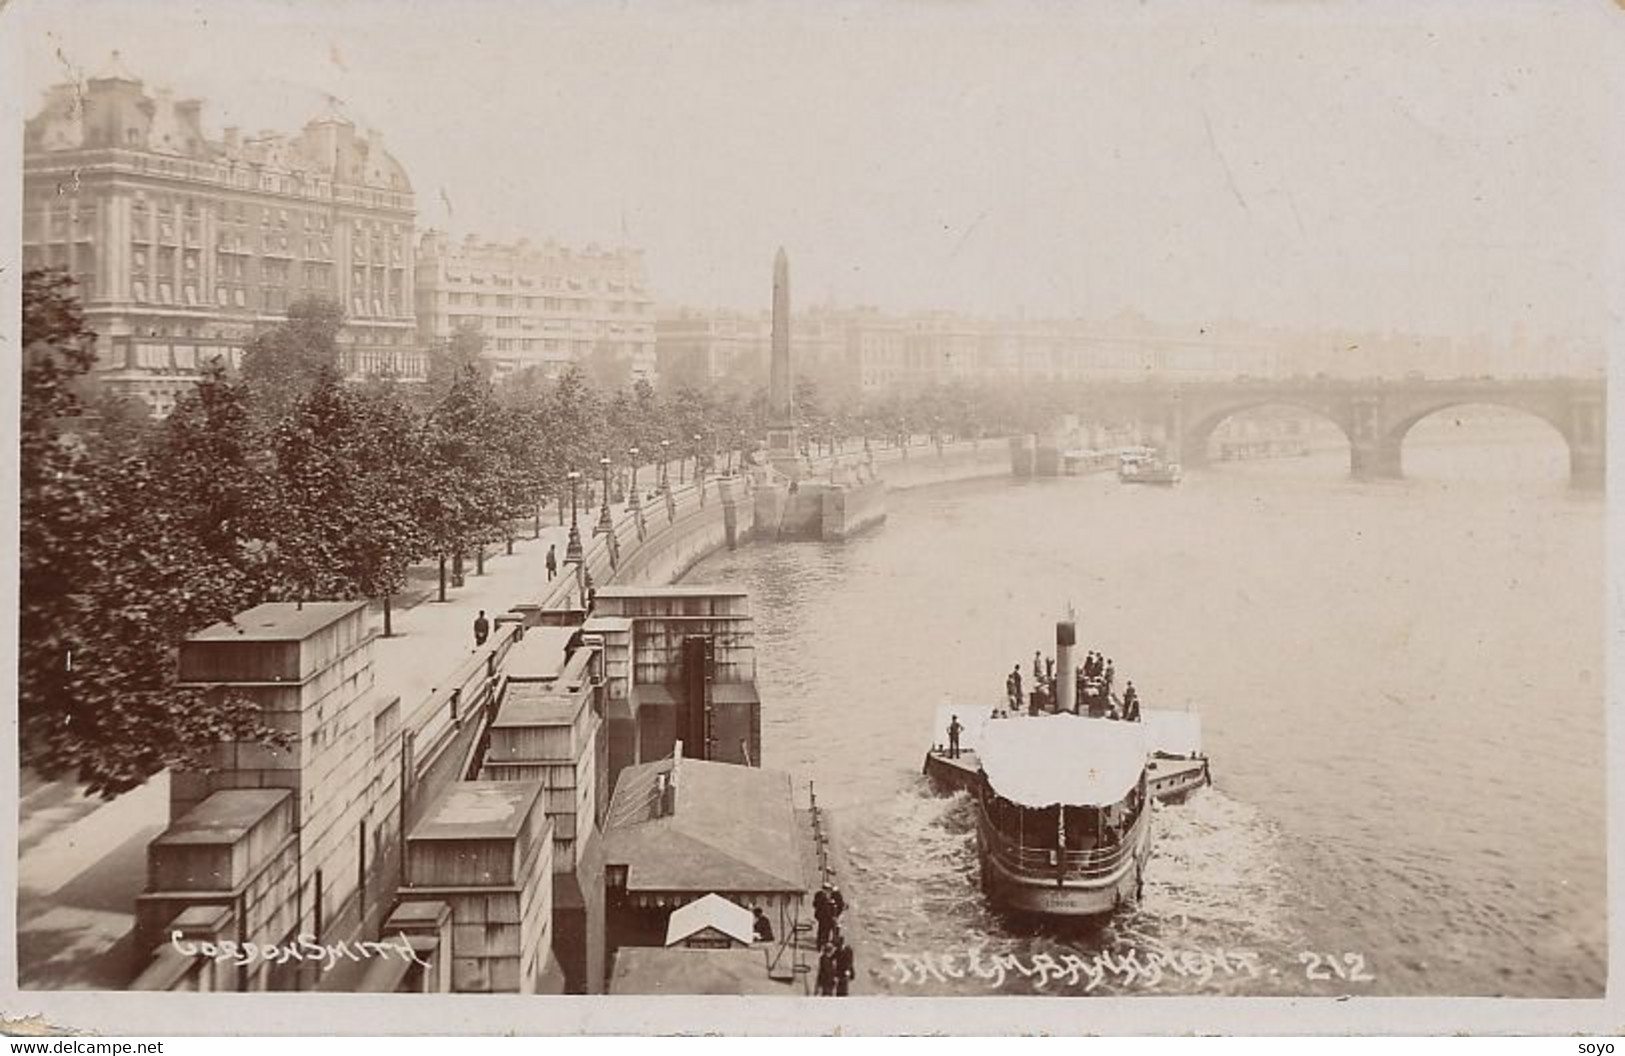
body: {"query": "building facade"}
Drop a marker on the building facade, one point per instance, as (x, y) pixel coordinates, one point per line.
(877, 352)
(543, 306)
(183, 246)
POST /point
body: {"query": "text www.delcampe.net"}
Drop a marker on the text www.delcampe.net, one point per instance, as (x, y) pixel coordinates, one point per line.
(75, 1047)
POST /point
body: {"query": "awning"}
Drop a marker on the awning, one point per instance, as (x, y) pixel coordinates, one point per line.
(1173, 732)
(1042, 760)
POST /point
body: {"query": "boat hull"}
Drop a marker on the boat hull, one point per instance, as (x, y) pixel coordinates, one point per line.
(1028, 893)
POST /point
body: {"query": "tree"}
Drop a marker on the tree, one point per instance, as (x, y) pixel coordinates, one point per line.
(464, 495)
(117, 568)
(347, 466)
(448, 360)
(55, 498)
(284, 362)
(607, 368)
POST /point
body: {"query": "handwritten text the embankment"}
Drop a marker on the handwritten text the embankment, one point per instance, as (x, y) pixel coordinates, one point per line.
(1121, 970)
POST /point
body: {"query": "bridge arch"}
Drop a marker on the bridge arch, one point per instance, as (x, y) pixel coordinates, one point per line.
(1201, 422)
(1559, 418)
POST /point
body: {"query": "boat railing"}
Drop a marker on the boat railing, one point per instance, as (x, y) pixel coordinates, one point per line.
(1077, 865)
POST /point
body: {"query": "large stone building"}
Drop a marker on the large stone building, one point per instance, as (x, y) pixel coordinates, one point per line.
(184, 246)
(698, 347)
(542, 306)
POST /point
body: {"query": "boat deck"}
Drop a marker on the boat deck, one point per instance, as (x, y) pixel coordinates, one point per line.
(1168, 778)
(948, 774)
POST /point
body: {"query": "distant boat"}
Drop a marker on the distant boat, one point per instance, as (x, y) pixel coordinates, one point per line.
(1141, 467)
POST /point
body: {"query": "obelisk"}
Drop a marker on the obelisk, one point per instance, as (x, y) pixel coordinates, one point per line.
(782, 448)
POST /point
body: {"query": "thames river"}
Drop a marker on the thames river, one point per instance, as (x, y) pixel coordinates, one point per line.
(1400, 685)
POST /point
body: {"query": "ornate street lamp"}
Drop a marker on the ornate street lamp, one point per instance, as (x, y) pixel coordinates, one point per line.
(572, 549)
(605, 524)
(665, 456)
(637, 503)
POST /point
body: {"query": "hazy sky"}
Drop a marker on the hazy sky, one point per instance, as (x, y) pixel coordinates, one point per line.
(1297, 164)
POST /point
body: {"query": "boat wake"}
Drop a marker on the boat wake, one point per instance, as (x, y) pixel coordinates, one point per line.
(1214, 897)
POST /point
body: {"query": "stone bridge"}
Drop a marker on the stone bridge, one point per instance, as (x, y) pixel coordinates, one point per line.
(1373, 415)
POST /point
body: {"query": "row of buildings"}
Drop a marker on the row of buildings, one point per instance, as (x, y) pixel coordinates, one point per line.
(876, 352)
(183, 246)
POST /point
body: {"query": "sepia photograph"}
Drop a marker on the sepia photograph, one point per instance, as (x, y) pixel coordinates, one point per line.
(899, 500)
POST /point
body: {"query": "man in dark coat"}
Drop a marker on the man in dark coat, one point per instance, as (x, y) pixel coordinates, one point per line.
(826, 971)
(764, 927)
(954, 730)
(824, 914)
(845, 972)
(482, 629)
(836, 902)
(552, 561)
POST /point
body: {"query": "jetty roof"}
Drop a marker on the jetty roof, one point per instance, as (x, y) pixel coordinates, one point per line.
(711, 911)
(1044, 760)
(730, 829)
(676, 970)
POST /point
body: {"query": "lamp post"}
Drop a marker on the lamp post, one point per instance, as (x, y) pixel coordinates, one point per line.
(604, 523)
(637, 503)
(572, 549)
(665, 456)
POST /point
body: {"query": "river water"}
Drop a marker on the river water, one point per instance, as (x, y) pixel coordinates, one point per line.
(1401, 689)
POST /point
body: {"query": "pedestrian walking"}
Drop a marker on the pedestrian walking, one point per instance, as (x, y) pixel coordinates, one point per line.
(482, 629)
(836, 902)
(552, 561)
(954, 730)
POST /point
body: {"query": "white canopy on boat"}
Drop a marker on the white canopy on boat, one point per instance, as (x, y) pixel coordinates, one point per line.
(1042, 760)
(1173, 732)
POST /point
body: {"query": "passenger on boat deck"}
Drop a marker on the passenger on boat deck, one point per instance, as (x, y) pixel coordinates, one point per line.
(1049, 669)
(954, 729)
(1038, 666)
(764, 927)
(1107, 675)
(1131, 702)
(1014, 682)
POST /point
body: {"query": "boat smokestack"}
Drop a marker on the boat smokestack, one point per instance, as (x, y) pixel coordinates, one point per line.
(1066, 684)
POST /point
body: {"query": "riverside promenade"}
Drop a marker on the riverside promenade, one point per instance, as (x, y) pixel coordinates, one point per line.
(83, 860)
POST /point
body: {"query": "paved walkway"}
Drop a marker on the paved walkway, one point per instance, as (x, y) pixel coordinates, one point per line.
(82, 860)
